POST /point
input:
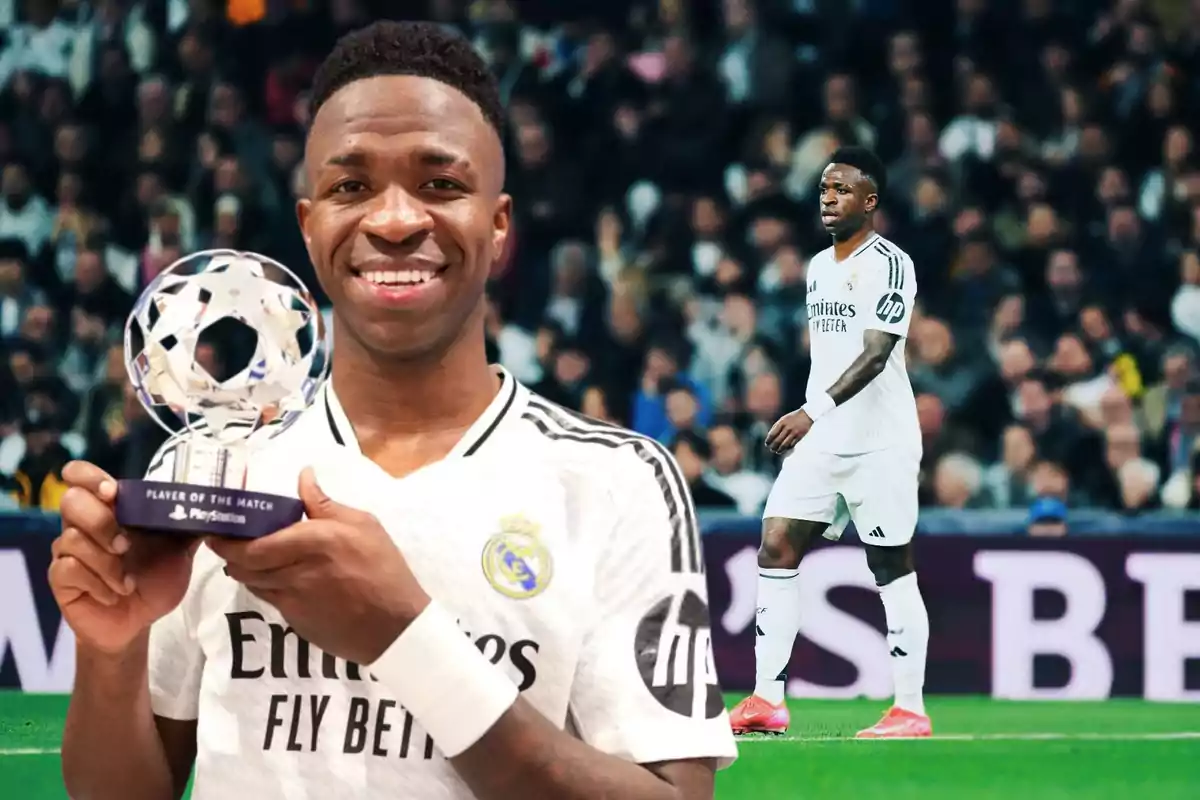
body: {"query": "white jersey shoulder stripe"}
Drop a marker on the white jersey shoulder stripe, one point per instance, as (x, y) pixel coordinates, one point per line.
(558, 423)
(895, 266)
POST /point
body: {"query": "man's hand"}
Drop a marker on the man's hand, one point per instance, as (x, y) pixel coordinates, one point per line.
(337, 577)
(111, 583)
(788, 431)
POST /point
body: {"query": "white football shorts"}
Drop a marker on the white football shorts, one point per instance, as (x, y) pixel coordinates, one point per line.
(877, 490)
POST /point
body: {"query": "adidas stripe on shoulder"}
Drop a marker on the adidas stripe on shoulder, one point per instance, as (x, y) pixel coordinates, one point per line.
(560, 424)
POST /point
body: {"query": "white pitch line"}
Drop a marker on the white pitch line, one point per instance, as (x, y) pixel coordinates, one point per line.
(952, 737)
(988, 737)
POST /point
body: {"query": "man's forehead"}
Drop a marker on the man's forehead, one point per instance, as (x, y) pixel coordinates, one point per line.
(379, 108)
(843, 173)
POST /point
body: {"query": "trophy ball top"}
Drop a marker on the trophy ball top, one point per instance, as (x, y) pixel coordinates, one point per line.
(230, 343)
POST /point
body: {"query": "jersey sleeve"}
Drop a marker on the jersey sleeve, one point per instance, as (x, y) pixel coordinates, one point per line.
(893, 288)
(646, 688)
(176, 659)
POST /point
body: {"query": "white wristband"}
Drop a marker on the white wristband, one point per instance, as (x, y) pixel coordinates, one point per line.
(442, 679)
(818, 406)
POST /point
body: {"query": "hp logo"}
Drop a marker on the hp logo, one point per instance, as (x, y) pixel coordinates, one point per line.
(890, 308)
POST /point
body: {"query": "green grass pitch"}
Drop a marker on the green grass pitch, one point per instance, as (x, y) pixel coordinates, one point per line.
(1115, 750)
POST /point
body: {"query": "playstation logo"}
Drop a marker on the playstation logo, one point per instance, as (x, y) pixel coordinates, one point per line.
(178, 513)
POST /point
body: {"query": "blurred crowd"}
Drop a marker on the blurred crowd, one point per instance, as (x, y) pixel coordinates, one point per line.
(1043, 175)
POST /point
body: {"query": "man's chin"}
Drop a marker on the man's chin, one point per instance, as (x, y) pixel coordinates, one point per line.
(406, 337)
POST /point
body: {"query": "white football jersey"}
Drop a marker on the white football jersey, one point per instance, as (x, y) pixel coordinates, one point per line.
(873, 289)
(609, 638)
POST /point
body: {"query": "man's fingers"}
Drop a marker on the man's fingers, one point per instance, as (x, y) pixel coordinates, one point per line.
(772, 435)
(87, 475)
(74, 544)
(80, 508)
(69, 574)
(260, 580)
(780, 434)
(273, 551)
(319, 505)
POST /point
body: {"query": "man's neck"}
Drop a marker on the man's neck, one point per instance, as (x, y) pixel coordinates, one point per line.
(409, 413)
(844, 248)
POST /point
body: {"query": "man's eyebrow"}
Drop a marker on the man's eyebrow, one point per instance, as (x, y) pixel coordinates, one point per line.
(352, 158)
(439, 157)
(427, 156)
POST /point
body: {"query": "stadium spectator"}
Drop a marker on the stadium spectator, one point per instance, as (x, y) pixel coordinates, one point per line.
(1182, 489)
(1162, 402)
(1050, 479)
(1047, 517)
(1138, 480)
(729, 474)
(692, 452)
(1008, 480)
(958, 482)
(664, 163)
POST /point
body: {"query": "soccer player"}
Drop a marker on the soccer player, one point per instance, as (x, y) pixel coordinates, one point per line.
(852, 452)
(491, 597)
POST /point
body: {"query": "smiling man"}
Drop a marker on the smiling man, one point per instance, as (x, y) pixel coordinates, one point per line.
(491, 597)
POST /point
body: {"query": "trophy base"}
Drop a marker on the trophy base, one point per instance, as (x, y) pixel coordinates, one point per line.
(183, 509)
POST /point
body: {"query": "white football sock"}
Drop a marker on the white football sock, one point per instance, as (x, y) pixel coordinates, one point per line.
(778, 621)
(908, 639)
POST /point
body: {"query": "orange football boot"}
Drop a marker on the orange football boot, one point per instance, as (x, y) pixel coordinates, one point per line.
(898, 723)
(756, 715)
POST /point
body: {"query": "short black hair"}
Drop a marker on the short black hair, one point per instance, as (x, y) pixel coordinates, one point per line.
(698, 444)
(423, 49)
(13, 249)
(866, 162)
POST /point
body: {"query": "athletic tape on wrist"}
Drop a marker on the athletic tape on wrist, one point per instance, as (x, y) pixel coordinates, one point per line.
(442, 679)
(818, 406)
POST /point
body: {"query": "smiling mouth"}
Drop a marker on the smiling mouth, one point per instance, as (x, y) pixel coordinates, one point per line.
(400, 277)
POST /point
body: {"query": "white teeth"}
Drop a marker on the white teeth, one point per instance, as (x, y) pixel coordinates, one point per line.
(404, 277)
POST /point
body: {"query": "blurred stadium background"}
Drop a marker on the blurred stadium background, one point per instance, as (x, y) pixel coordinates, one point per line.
(664, 154)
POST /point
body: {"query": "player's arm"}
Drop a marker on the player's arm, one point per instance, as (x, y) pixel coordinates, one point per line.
(649, 726)
(524, 755)
(116, 742)
(892, 290)
(877, 348)
(114, 746)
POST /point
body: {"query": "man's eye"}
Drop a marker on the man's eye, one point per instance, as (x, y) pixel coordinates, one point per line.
(348, 186)
(444, 185)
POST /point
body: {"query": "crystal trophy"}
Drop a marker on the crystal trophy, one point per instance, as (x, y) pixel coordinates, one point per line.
(215, 297)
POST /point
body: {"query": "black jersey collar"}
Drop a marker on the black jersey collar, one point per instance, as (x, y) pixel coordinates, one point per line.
(501, 407)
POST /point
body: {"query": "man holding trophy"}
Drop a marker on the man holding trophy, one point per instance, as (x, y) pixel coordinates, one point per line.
(416, 579)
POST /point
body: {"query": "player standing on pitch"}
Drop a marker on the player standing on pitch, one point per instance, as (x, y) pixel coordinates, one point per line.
(488, 595)
(853, 452)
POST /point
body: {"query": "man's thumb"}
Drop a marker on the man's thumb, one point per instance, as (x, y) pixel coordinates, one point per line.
(317, 504)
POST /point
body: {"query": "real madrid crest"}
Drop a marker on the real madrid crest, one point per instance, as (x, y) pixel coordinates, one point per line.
(515, 561)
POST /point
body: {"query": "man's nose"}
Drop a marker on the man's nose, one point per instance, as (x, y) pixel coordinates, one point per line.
(397, 216)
